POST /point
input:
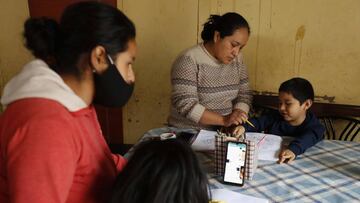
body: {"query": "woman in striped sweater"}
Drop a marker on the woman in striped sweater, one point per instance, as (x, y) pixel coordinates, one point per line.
(210, 83)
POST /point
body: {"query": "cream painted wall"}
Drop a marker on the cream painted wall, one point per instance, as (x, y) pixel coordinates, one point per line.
(13, 55)
(317, 40)
(164, 28)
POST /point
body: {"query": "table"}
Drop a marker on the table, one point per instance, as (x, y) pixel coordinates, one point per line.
(327, 172)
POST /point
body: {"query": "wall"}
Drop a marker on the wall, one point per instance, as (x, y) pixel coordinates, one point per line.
(13, 55)
(164, 28)
(317, 40)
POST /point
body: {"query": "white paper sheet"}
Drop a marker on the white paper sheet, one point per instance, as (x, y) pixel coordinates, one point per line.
(204, 141)
(269, 145)
(229, 196)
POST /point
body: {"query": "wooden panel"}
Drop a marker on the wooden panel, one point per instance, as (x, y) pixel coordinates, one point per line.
(111, 123)
(13, 54)
(164, 29)
(54, 8)
(305, 38)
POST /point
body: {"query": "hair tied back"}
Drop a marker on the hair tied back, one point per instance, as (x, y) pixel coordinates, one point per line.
(214, 20)
(41, 35)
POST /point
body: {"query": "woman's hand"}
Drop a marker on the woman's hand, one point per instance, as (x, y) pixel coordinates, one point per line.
(237, 117)
(286, 156)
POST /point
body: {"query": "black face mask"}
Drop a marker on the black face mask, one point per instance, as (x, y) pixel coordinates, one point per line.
(111, 90)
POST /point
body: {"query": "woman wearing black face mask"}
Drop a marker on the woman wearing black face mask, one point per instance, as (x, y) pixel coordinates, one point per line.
(111, 88)
(51, 145)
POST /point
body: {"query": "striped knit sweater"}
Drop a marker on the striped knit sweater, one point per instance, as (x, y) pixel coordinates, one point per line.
(200, 82)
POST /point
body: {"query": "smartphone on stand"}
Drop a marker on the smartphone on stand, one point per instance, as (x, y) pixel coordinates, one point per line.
(235, 163)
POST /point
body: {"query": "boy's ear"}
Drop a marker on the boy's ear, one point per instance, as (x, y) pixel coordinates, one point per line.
(307, 104)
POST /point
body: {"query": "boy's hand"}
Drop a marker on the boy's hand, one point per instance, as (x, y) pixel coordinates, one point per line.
(238, 131)
(286, 156)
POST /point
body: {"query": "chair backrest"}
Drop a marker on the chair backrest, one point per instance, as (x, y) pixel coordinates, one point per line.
(341, 128)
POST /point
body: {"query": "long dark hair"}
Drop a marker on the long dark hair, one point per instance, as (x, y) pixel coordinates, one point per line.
(225, 25)
(82, 27)
(162, 172)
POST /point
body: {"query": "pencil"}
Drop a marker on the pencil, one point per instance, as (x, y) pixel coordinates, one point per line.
(248, 122)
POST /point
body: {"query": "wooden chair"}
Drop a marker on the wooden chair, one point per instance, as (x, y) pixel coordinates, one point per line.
(341, 128)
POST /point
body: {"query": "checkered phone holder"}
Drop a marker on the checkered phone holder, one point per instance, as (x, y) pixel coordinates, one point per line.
(220, 152)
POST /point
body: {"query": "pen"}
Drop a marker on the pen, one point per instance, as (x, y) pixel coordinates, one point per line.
(248, 122)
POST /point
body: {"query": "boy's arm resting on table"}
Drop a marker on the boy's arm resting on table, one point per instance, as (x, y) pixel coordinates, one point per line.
(261, 123)
(308, 138)
(41, 163)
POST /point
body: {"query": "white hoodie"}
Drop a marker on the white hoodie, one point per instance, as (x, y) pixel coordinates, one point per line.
(37, 80)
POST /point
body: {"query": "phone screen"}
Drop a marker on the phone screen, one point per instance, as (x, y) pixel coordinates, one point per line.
(235, 163)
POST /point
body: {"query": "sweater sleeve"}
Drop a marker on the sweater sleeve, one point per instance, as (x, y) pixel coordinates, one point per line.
(184, 95)
(307, 138)
(261, 123)
(41, 155)
(244, 97)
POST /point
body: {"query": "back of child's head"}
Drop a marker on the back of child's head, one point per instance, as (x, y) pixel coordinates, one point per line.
(300, 88)
(161, 172)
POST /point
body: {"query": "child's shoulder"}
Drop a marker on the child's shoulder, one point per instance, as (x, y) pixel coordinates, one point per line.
(311, 121)
(311, 117)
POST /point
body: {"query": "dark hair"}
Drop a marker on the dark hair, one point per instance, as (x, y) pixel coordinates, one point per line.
(299, 88)
(161, 172)
(225, 25)
(41, 35)
(82, 27)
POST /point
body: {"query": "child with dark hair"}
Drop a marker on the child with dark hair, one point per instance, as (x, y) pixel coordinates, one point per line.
(161, 172)
(293, 119)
